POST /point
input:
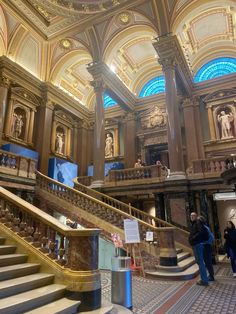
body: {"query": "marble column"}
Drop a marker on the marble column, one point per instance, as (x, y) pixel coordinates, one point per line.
(168, 58)
(211, 123)
(99, 135)
(173, 126)
(129, 141)
(199, 126)
(44, 131)
(83, 145)
(4, 88)
(190, 131)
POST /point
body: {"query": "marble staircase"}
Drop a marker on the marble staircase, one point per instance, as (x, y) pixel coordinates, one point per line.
(24, 289)
(186, 268)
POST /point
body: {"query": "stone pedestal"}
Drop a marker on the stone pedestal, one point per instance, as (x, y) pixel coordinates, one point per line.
(168, 255)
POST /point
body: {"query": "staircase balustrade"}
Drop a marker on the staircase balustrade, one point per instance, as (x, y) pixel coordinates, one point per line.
(107, 208)
(13, 164)
(75, 252)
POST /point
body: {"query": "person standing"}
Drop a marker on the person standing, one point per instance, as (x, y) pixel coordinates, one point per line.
(198, 235)
(230, 244)
(207, 250)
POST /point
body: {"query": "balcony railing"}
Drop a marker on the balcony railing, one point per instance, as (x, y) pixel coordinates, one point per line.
(16, 165)
(211, 167)
(148, 172)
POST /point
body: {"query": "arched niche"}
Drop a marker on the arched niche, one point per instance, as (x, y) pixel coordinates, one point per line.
(61, 138)
(20, 118)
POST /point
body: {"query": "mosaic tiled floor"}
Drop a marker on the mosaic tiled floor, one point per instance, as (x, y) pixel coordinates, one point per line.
(181, 297)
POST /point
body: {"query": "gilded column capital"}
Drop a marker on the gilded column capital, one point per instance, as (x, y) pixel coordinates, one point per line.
(168, 63)
(4, 81)
(98, 85)
(49, 104)
(83, 124)
(187, 102)
(129, 116)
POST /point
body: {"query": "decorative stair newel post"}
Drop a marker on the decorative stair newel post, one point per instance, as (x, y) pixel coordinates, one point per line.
(168, 254)
(83, 258)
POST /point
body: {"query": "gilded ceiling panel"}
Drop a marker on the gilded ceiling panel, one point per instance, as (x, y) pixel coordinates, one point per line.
(210, 26)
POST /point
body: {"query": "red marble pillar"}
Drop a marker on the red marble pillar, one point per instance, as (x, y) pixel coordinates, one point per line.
(173, 127)
(82, 150)
(44, 130)
(4, 87)
(190, 131)
(99, 135)
(170, 58)
(129, 141)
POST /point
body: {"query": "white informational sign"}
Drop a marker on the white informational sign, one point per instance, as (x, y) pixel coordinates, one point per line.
(131, 231)
(149, 236)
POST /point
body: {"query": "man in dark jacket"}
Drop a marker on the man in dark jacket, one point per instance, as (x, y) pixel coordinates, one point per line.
(198, 235)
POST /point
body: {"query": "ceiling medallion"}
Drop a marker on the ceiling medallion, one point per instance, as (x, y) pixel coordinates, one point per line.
(65, 44)
(73, 7)
(124, 17)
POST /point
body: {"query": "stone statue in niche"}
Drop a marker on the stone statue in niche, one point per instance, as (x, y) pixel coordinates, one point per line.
(17, 125)
(59, 143)
(109, 146)
(225, 120)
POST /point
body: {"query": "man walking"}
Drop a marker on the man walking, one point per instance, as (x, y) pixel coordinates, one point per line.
(198, 235)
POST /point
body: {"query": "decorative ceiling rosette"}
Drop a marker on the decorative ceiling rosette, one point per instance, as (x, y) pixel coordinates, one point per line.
(74, 7)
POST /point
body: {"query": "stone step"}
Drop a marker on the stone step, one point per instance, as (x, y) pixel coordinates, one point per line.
(26, 301)
(2, 240)
(182, 265)
(12, 259)
(186, 274)
(7, 249)
(179, 250)
(62, 306)
(22, 284)
(18, 270)
(183, 255)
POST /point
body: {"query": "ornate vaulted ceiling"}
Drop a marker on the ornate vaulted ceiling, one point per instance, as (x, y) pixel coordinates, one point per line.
(55, 39)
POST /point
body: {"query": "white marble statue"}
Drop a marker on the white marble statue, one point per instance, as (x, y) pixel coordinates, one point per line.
(225, 120)
(109, 146)
(59, 143)
(17, 125)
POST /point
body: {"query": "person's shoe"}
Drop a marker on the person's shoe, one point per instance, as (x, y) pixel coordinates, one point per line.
(211, 278)
(234, 274)
(202, 283)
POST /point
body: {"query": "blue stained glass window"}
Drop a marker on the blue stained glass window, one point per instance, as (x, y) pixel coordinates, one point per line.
(215, 68)
(108, 101)
(154, 86)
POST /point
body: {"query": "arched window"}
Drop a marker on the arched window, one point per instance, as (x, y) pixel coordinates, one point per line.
(152, 87)
(108, 101)
(215, 68)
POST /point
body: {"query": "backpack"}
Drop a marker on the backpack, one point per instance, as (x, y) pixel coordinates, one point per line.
(211, 237)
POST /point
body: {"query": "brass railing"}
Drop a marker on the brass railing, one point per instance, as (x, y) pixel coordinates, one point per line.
(74, 253)
(13, 164)
(107, 208)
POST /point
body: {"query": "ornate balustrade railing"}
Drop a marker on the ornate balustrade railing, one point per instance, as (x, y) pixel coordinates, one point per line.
(13, 164)
(141, 173)
(212, 166)
(107, 208)
(85, 180)
(74, 253)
